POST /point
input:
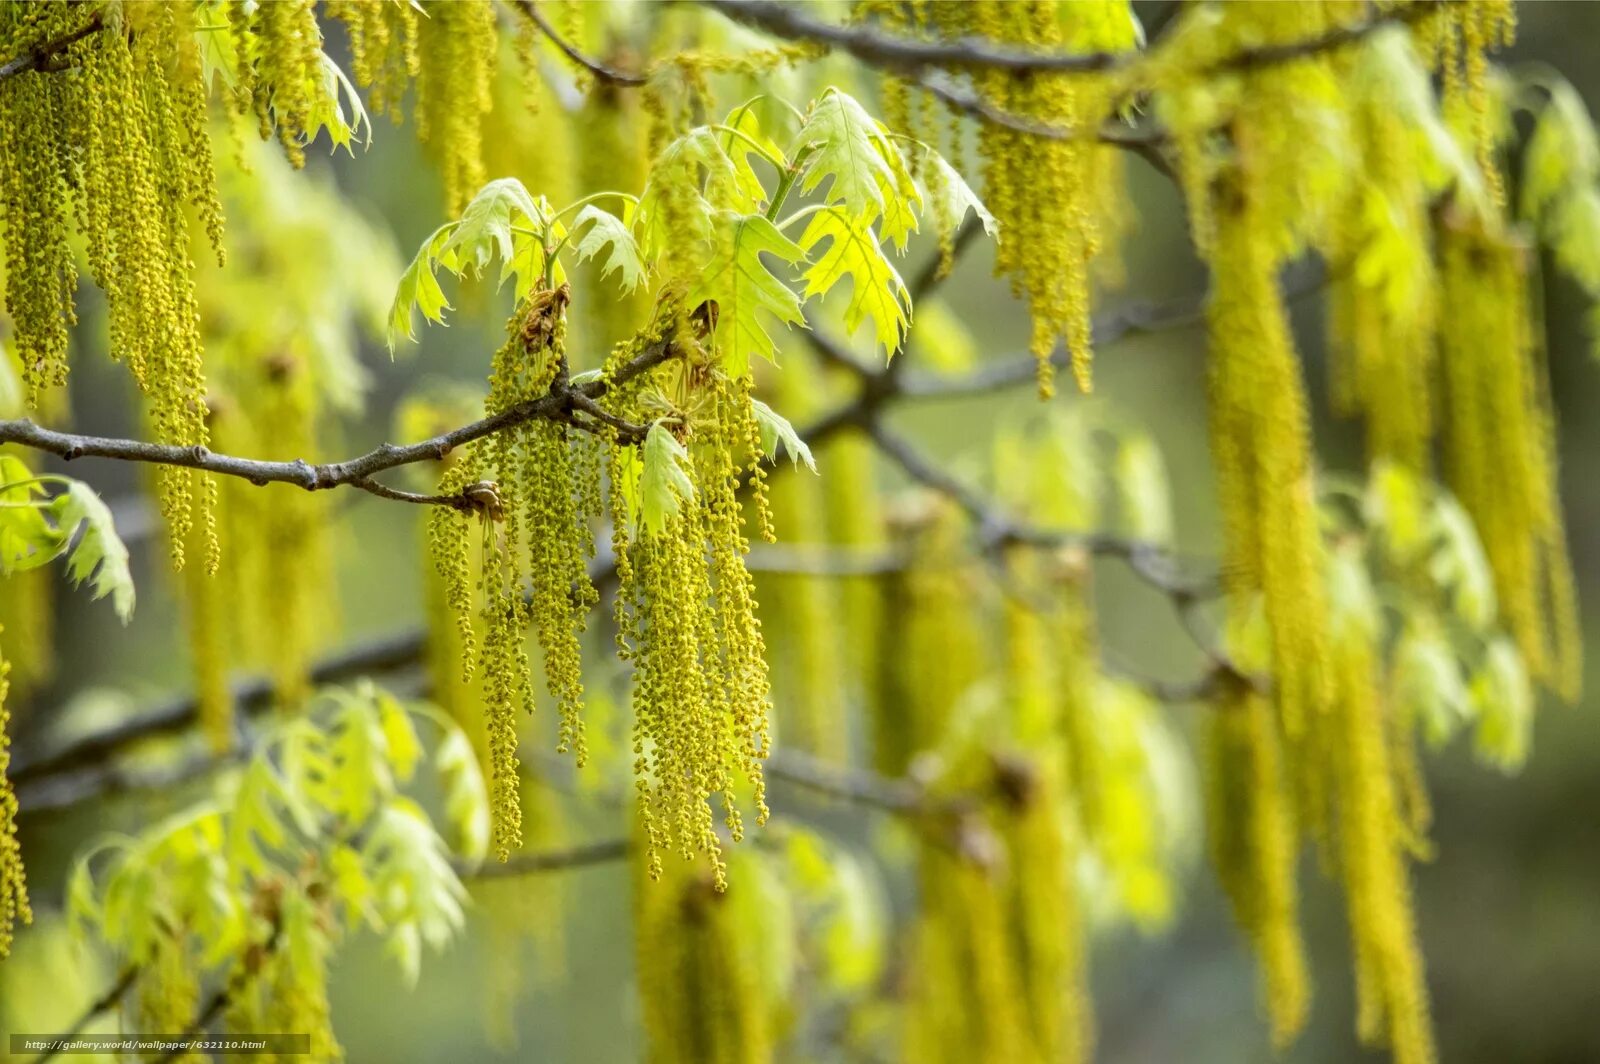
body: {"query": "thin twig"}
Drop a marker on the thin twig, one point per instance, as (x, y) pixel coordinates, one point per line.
(39, 57)
(104, 1003)
(882, 50)
(524, 864)
(558, 404)
(531, 12)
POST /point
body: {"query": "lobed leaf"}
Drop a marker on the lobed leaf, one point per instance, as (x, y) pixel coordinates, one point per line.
(776, 429)
(745, 291)
(664, 485)
(99, 556)
(606, 229)
(876, 288)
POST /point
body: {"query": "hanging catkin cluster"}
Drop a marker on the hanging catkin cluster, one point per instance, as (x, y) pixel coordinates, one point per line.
(998, 971)
(1261, 449)
(122, 145)
(1461, 35)
(383, 48)
(13, 883)
(536, 489)
(700, 694)
(1255, 846)
(927, 612)
(802, 610)
(1384, 304)
(1499, 441)
(458, 52)
(705, 997)
(1056, 191)
(1372, 835)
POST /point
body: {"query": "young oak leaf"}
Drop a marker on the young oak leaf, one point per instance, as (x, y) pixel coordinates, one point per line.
(876, 288)
(852, 148)
(693, 161)
(609, 230)
(497, 223)
(99, 556)
(749, 140)
(327, 112)
(27, 539)
(951, 196)
(664, 485)
(419, 288)
(744, 289)
(776, 429)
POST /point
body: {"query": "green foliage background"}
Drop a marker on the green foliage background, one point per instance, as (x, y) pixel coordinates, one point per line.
(1509, 909)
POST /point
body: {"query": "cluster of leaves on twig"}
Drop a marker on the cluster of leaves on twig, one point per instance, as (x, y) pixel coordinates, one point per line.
(315, 837)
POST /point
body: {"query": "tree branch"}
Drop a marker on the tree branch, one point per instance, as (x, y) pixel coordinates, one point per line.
(888, 51)
(530, 11)
(524, 864)
(104, 1003)
(42, 55)
(558, 404)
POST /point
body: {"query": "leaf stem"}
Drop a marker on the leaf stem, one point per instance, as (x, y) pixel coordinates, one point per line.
(786, 184)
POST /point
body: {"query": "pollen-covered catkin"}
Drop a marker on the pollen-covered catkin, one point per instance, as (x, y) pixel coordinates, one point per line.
(458, 51)
(13, 882)
(40, 273)
(803, 608)
(1051, 188)
(1261, 449)
(1499, 442)
(1462, 35)
(1391, 992)
(704, 995)
(383, 48)
(1254, 847)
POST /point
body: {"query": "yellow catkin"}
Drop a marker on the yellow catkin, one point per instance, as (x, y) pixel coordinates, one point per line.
(701, 695)
(450, 549)
(297, 591)
(608, 139)
(1384, 302)
(1254, 847)
(1499, 443)
(558, 524)
(39, 271)
(288, 70)
(1391, 993)
(855, 522)
(383, 48)
(929, 613)
(1260, 440)
(804, 609)
(27, 616)
(13, 883)
(966, 1002)
(703, 996)
(525, 915)
(1291, 123)
(207, 606)
(1462, 35)
(1051, 189)
(1046, 914)
(126, 134)
(458, 51)
(1037, 822)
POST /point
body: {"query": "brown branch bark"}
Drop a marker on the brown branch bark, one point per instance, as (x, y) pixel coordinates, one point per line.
(559, 404)
(889, 51)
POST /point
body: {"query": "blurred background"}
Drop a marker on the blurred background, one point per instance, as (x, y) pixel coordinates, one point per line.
(1509, 905)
